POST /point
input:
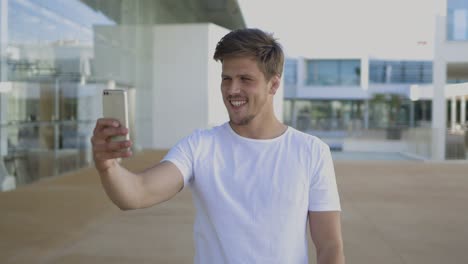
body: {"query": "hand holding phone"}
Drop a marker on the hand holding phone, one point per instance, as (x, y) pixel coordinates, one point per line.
(111, 135)
(115, 106)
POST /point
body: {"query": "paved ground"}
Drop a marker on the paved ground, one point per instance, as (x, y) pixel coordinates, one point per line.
(393, 212)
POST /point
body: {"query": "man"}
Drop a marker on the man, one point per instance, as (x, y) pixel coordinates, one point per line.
(256, 183)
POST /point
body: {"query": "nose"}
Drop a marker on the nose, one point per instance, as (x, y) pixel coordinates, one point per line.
(233, 87)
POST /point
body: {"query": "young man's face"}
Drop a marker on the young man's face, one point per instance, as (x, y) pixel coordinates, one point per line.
(246, 92)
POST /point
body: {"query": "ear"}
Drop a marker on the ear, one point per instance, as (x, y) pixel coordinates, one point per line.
(275, 83)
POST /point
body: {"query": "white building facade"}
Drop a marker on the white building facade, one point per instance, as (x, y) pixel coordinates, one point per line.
(450, 66)
(348, 95)
(417, 106)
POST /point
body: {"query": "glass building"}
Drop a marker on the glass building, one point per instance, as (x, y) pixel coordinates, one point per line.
(386, 71)
(330, 98)
(290, 72)
(457, 20)
(333, 72)
(52, 74)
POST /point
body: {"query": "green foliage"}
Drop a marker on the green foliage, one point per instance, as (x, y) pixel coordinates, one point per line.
(393, 102)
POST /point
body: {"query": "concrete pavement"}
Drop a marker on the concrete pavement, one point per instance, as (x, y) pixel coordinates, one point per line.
(393, 212)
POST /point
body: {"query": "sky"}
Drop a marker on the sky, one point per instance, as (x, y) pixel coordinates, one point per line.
(375, 28)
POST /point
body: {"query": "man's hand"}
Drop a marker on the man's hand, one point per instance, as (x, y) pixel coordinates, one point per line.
(125, 188)
(106, 152)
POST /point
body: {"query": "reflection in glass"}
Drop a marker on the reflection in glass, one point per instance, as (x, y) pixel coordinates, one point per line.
(385, 110)
(59, 55)
(331, 115)
(414, 72)
(48, 127)
(53, 102)
(333, 72)
(290, 72)
(457, 20)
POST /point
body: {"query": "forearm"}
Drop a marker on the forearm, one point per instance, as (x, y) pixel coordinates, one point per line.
(330, 255)
(122, 187)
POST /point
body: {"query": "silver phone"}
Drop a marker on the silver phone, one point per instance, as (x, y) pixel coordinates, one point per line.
(115, 105)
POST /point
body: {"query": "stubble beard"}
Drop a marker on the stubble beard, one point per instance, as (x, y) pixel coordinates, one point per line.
(243, 122)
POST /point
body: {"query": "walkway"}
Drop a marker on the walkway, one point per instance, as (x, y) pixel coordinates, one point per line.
(394, 212)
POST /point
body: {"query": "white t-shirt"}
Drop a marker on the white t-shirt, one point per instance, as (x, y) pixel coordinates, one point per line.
(252, 197)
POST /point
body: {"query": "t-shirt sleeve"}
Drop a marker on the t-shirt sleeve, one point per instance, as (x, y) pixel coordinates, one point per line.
(323, 191)
(182, 156)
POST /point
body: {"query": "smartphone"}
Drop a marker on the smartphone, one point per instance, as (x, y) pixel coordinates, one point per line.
(115, 105)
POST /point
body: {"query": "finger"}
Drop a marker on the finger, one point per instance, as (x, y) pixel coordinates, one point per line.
(102, 156)
(100, 136)
(111, 146)
(102, 123)
(111, 131)
(96, 140)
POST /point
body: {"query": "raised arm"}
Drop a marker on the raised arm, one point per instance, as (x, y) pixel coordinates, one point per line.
(325, 230)
(126, 189)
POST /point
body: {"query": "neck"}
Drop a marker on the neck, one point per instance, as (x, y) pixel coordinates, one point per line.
(260, 129)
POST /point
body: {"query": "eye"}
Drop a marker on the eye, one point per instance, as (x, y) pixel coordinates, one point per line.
(245, 79)
(226, 78)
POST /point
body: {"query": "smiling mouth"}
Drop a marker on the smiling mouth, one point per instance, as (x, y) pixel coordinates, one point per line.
(238, 103)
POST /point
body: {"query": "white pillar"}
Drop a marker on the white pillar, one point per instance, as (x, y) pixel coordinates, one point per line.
(300, 82)
(453, 113)
(438, 101)
(463, 111)
(365, 73)
(301, 74)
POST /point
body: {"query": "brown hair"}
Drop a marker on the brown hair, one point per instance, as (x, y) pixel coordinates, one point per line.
(252, 42)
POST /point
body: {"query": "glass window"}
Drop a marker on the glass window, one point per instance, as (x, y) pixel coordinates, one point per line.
(457, 20)
(377, 71)
(290, 72)
(333, 72)
(327, 115)
(395, 71)
(327, 72)
(400, 71)
(50, 38)
(350, 72)
(412, 72)
(426, 72)
(58, 55)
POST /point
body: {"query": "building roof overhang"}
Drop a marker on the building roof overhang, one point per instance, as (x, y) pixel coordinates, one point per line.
(225, 13)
